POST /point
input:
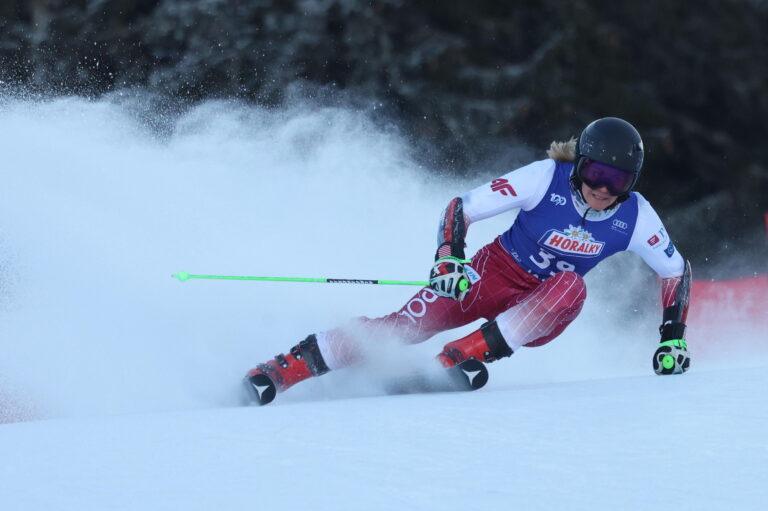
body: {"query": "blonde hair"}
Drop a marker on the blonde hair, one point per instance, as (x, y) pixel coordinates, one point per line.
(563, 151)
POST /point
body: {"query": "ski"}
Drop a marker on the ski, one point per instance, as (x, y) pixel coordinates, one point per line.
(467, 376)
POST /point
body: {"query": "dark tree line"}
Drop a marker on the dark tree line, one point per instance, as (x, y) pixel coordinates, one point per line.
(475, 85)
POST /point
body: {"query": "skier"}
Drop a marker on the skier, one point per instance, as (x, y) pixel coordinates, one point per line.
(576, 208)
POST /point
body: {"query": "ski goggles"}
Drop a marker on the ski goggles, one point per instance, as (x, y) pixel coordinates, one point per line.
(597, 175)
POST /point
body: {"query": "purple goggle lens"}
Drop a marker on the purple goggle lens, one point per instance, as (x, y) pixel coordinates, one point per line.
(596, 175)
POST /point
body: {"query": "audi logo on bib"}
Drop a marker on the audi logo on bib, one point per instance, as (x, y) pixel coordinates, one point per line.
(620, 224)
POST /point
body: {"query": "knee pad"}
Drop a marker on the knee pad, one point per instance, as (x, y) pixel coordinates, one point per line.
(545, 312)
(569, 285)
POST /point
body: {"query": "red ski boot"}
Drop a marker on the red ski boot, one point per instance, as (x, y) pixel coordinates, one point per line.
(304, 360)
(485, 345)
(464, 357)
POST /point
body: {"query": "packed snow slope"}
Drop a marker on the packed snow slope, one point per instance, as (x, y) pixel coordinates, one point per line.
(119, 386)
(696, 442)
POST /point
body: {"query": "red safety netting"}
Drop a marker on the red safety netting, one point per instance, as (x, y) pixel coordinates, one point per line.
(729, 316)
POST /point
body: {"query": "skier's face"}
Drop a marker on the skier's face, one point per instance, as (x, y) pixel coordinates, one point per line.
(597, 198)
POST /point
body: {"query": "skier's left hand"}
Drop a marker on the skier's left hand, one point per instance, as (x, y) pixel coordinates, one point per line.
(671, 357)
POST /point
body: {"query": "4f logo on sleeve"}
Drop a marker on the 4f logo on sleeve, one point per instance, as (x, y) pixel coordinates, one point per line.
(502, 185)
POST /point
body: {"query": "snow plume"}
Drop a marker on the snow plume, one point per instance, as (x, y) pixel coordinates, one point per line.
(98, 211)
(99, 207)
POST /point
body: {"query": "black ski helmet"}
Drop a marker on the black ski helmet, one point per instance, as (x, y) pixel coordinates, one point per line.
(612, 141)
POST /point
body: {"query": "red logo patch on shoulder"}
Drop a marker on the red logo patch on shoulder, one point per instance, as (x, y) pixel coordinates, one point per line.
(653, 240)
(502, 185)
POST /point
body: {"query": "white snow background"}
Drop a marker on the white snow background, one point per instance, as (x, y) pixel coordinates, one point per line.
(119, 386)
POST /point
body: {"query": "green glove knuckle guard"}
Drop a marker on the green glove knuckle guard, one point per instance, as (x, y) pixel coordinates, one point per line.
(671, 357)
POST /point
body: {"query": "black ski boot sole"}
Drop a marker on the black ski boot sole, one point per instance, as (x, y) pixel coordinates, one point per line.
(260, 389)
(469, 375)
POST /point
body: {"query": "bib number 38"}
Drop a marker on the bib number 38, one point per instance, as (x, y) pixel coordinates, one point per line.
(546, 260)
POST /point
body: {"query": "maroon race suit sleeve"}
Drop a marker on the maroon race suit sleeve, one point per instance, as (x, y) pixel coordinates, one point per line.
(653, 243)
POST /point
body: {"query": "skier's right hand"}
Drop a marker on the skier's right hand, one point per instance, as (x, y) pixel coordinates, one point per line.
(448, 278)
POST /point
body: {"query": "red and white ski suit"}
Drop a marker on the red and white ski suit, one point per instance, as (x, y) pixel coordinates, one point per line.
(529, 311)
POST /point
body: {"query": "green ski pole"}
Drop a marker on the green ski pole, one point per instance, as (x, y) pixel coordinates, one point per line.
(183, 276)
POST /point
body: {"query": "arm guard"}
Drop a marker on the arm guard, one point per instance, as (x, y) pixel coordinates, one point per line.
(452, 231)
(675, 293)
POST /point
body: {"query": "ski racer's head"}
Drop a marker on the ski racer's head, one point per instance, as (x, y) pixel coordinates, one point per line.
(609, 157)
